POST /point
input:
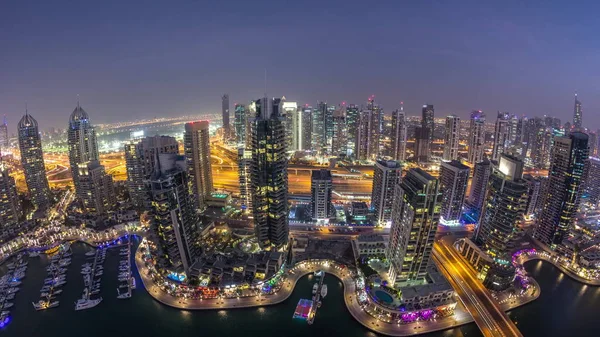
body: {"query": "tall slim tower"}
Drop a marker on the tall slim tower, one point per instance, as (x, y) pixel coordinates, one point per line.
(94, 188)
(569, 155)
(240, 123)
(4, 134)
(321, 184)
(427, 122)
(320, 127)
(451, 138)
(399, 134)
(32, 160)
(386, 176)
(173, 216)
(592, 180)
(501, 135)
(422, 144)
(225, 115)
(339, 142)
(10, 206)
(196, 144)
(481, 177)
(577, 114)
(269, 178)
(352, 121)
(245, 178)
(476, 140)
(415, 221)
(140, 159)
(454, 178)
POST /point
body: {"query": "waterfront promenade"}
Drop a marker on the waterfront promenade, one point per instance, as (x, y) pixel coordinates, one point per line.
(555, 261)
(460, 317)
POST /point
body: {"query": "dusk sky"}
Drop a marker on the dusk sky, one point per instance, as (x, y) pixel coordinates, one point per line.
(130, 60)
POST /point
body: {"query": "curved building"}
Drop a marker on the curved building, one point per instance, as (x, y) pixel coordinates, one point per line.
(32, 159)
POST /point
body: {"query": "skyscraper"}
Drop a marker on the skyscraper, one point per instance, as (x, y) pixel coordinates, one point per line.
(339, 142)
(32, 160)
(422, 143)
(352, 121)
(481, 176)
(592, 180)
(451, 138)
(93, 187)
(399, 134)
(569, 156)
(321, 185)
(196, 144)
(4, 134)
(368, 131)
(427, 122)
(476, 140)
(503, 211)
(288, 110)
(454, 178)
(10, 205)
(225, 115)
(173, 217)
(245, 176)
(269, 177)
(320, 126)
(140, 159)
(302, 129)
(534, 195)
(240, 123)
(385, 177)
(415, 221)
(501, 135)
(577, 114)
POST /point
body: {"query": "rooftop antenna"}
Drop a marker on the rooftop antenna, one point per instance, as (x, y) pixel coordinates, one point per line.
(77, 101)
(265, 82)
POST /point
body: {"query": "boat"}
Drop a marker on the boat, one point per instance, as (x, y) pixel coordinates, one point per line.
(82, 304)
(95, 291)
(10, 296)
(12, 290)
(90, 253)
(132, 282)
(99, 273)
(43, 305)
(45, 289)
(315, 288)
(324, 290)
(34, 254)
(123, 295)
(7, 305)
(14, 283)
(5, 313)
(87, 264)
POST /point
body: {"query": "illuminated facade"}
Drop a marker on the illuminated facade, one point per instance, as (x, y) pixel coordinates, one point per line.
(577, 114)
(481, 176)
(451, 138)
(427, 122)
(565, 178)
(32, 160)
(592, 180)
(139, 162)
(10, 206)
(399, 134)
(454, 178)
(501, 135)
(321, 185)
(3, 134)
(225, 115)
(196, 144)
(386, 175)
(244, 174)
(415, 220)
(240, 124)
(85, 166)
(269, 178)
(352, 122)
(339, 142)
(476, 140)
(172, 214)
(368, 132)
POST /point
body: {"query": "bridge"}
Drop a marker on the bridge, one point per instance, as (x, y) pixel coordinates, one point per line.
(489, 317)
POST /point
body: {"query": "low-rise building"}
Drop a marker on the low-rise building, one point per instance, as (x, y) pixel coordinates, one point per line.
(370, 245)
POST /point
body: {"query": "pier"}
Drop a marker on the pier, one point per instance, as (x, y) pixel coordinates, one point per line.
(316, 299)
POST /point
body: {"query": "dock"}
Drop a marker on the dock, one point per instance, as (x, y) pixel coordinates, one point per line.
(316, 299)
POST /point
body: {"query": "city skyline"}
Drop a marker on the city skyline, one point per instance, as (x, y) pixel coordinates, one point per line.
(492, 62)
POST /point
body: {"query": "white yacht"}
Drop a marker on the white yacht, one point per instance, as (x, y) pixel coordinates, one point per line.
(315, 288)
(123, 295)
(7, 305)
(90, 253)
(132, 282)
(82, 304)
(34, 254)
(43, 305)
(324, 291)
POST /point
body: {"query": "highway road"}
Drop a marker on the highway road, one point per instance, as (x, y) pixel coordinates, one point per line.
(490, 318)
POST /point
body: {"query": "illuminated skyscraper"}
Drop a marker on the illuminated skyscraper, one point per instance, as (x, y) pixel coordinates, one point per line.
(302, 129)
(288, 110)
(352, 121)
(322, 123)
(534, 195)
(32, 160)
(196, 144)
(240, 124)
(454, 178)
(481, 176)
(427, 122)
(245, 176)
(415, 219)
(476, 140)
(173, 217)
(321, 184)
(386, 175)
(592, 180)
(140, 159)
(577, 114)
(10, 205)
(501, 135)
(94, 188)
(4, 134)
(422, 143)
(225, 115)
(399, 134)
(269, 178)
(569, 156)
(451, 138)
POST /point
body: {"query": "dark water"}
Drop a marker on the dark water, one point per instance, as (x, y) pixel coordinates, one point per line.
(553, 314)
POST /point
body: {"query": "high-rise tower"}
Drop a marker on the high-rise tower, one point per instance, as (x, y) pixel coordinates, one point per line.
(32, 160)
(399, 134)
(321, 184)
(10, 206)
(451, 138)
(481, 176)
(225, 115)
(240, 123)
(454, 178)
(501, 135)
(569, 156)
(427, 120)
(476, 140)
(386, 176)
(196, 144)
(4, 134)
(577, 114)
(269, 178)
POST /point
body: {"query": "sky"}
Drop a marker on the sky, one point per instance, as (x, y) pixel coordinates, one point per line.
(140, 59)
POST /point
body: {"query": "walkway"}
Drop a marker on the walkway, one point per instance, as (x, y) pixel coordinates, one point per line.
(460, 317)
(553, 260)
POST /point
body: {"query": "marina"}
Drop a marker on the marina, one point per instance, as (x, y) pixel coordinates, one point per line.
(307, 309)
(60, 259)
(92, 278)
(125, 276)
